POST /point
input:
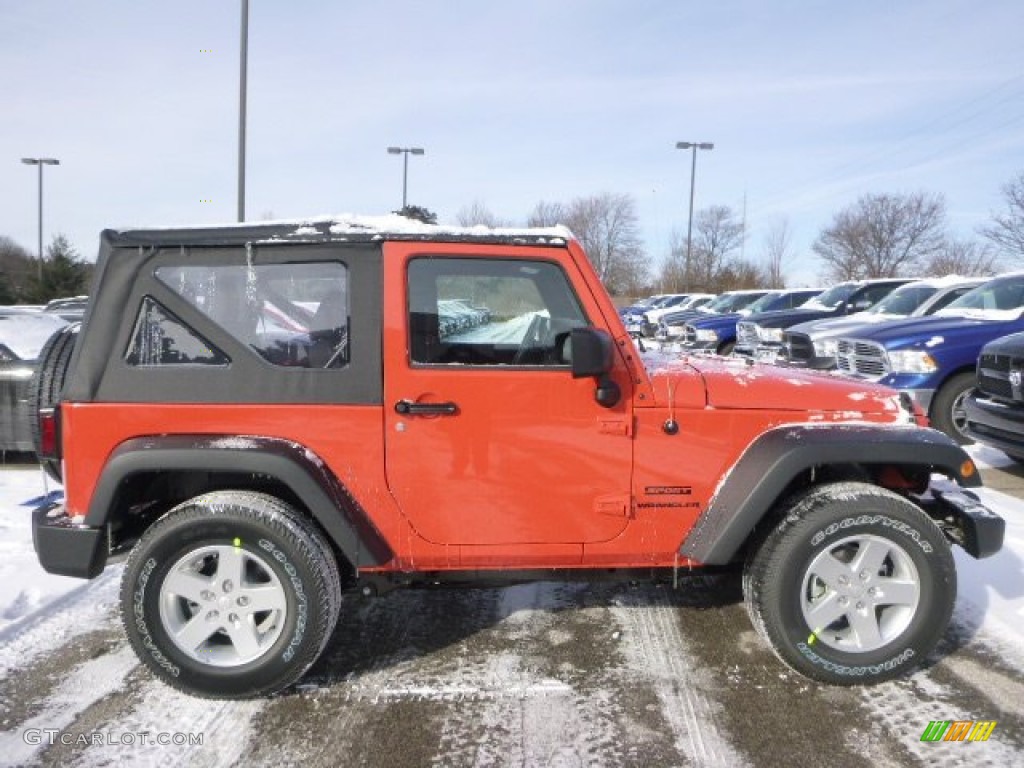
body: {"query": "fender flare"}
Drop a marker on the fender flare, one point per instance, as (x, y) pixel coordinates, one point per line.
(328, 500)
(771, 462)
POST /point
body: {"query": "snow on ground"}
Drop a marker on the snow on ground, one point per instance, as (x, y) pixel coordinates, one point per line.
(24, 586)
(991, 591)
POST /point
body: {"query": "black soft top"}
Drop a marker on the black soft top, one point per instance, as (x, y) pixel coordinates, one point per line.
(344, 228)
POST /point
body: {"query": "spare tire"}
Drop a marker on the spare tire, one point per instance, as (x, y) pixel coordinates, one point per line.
(47, 384)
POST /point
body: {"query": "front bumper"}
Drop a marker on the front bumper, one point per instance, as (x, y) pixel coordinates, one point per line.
(997, 424)
(65, 547)
(967, 522)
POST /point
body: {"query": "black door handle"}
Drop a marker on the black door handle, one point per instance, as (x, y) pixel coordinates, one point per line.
(409, 408)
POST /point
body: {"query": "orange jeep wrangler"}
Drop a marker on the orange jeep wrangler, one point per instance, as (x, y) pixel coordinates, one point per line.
(262, 417)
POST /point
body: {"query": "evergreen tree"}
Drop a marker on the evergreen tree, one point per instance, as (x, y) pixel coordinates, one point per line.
(63, 274)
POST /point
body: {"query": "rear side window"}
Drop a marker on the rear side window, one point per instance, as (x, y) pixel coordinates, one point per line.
(490, 312)
(293, 315)
(160, 338)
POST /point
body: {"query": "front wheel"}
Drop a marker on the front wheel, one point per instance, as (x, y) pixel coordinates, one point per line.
(948, 413)
(231, 595)
(854, 585)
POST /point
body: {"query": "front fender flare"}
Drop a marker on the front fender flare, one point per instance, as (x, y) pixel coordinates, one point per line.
(308, 477)
(772, 461)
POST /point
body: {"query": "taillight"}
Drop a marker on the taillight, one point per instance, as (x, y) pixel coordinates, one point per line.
(48, 437)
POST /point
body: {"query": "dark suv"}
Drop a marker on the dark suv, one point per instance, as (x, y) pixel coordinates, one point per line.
(995, 410)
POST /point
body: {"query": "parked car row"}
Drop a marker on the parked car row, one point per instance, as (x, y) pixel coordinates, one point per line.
(924, 337)
(458, 316)
(24, 329)
(22, 336)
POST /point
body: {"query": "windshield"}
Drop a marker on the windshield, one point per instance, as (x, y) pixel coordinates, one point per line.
(833, 297)
(732, 302)
(1003, 297)
(766, 303)
(904, 300)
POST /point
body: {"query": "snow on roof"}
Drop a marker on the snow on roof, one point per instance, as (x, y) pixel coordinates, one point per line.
(390, 224)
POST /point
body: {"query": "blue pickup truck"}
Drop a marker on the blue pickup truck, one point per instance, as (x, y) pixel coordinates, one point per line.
(934, 358)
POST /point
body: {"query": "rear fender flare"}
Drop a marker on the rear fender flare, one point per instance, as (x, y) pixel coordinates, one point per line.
(302, 471)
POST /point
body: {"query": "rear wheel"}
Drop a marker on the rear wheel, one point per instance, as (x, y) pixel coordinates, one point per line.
(948, 413)
(854, 585)
(232, 595)
(47, 384)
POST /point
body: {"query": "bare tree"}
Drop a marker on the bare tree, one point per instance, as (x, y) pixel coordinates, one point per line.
(717, 235)
(547, 214)
(607, 227)
(478, 214)
(777, 249)
(962, 257)
(1007, 229)
(672, 276)
(739, 274)
(883, 236)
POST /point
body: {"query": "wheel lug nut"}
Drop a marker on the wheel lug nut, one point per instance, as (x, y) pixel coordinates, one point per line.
(228, 585)
(243, 601)
(207, 595)
(843, 601)
(860, 606)
(213, 615)
(233, 618)
(872, 591)
(863, 575)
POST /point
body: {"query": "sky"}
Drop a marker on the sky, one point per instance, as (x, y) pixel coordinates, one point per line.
(809, 106)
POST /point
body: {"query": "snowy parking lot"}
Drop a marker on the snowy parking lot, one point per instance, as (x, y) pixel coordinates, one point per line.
(532, 675)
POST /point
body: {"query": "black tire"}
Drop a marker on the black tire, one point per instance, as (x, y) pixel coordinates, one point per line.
(46, 386)
(947, 413)
(280, 559)
(726, 349)
(907, 597)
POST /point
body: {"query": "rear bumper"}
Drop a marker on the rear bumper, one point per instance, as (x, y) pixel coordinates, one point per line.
(66, 548)
(996, 424)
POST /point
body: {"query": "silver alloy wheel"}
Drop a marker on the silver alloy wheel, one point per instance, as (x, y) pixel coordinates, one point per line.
(860, 594)
(958, 413)
(222, 605)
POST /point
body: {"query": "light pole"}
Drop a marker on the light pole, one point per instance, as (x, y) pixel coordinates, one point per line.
(40, 161)
(242, 67)
(693, 175)
(405, 166)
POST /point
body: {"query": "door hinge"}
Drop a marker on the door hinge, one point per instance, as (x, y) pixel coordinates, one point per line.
(617, 506)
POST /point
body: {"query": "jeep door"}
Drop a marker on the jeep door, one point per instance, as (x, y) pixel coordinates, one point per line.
(489, 438)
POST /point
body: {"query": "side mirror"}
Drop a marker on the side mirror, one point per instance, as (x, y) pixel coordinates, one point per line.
(591, 350)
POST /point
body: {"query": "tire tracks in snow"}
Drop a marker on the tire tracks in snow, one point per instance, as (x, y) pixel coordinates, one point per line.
(41, 632)
(656, 649)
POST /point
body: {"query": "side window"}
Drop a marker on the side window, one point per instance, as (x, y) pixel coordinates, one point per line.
(293, 315)
(872, 294)
(950, 297)
(487, 312)
(160, 338)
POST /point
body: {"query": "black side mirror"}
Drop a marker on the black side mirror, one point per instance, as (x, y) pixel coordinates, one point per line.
(591, 351)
